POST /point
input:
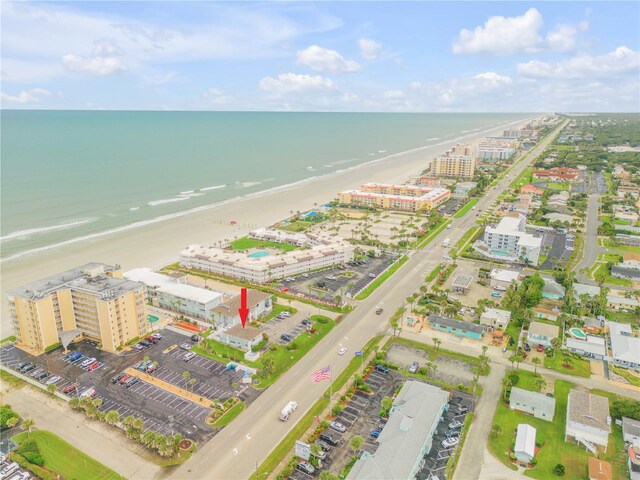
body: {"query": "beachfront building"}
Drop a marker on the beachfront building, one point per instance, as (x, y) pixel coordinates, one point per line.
(406, 437)
(265, 267)
(281, 236)
(495, 318)
(509, 241)
(227, 314)
(92, 301)
(525, 446)
(406, 198)
(532, 403)
(167, 292)
(588, 420)
(453, 165)
(497, 149)
(625, 347)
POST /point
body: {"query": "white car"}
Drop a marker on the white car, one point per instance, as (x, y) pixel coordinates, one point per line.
(450, 442)
(285, 314)
(500, 288)
(342, 351)
(52, 380)
(87, 362)
(456, 424)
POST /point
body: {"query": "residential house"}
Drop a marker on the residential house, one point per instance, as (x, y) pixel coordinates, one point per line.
(588, 420)
(620, 271)
(406, 437)
(628, 189)
(558, 217)
(525, 447)
(599, 470)
(593, 326)
(553, 290)
(541, 334)
(631, 431)
(457, 327)
(618, 302)
(495, 318)
(533, 403)
(530, 188)
(546, 314)
(504, 278)
(592, 347)
(227, 315)
(625, 348)
(242, 337)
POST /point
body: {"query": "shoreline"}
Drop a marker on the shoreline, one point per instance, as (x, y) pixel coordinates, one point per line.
(158, 243)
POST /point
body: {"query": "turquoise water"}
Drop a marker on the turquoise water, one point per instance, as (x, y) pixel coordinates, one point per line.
(578, 333)
(258, 254)
(68, 174)
(501, 253)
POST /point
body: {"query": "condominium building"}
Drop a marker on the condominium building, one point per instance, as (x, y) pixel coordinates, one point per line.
(408, 198)
(261, 269)
(167, 292)
(92, 301)
(495, 149)
(452, 165)
(509, 241)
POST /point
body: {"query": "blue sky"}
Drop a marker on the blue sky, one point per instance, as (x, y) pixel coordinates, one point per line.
(326, 56)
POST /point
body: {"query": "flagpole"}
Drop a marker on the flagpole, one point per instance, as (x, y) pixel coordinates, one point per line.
(330, 387)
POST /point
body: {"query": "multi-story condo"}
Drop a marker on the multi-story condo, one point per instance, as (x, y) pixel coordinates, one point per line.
(92, 301)
(453, 165)
(509, 241)
(408, 198)
(494, 149)
(247, 266)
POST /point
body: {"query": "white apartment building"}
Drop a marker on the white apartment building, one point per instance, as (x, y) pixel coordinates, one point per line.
(494, 149)
(169, 293)
(509, 241)
(263, 269)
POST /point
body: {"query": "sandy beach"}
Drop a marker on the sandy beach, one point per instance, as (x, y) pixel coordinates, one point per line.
(159, 243)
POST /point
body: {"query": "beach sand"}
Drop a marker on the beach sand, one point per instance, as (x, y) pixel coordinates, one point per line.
(159, 244)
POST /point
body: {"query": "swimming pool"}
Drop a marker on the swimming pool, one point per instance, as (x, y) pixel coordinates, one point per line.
(501, 253)
(578, 333)
(258, 254)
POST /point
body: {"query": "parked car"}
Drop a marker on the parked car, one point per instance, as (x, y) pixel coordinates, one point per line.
(89, 392)
(42, 375)
(338, 427)
(185, 346)
(496, 294)
(306, 467)
(450, 442)
(456, 424)
(152, 339)
(70, 388)
(382, 368)
(131, 382)
(29, 368)
(157, 335)
(124, 379)
(376, 433)
(540, 348)
(195, 338)
(21, 365)
(188, 356)
(117, 378)
(152, 368)
(500, 288)
(463, 409)
(145, 344)
(330, 438)
(372, 275)
(26, 366)
(413, 368)
(452, 432)
(286, 337)
(379, 311)
(527, 347)
(137, 346)
(87, 362)
(53, 380)
(342, 351)
(306, 322)
(93, 366)
(285, 314)
(323, 445)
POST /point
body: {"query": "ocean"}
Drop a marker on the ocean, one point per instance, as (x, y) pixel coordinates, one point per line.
(77, 174)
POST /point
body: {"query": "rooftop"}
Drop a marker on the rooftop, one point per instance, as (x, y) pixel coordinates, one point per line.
(624, 346)
(246, 333)
(502, 316)
(525, 439)
(457, 324)
(588, 409)
(539, 401)
(231, 306)
(170, 285)
(92, 277)
(552, 287)
(502, 275)
(630, 427)
(544, 330)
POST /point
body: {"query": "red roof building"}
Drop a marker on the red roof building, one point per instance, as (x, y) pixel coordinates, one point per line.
(557, 173)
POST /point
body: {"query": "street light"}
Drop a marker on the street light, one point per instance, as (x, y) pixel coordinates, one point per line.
(258, 475)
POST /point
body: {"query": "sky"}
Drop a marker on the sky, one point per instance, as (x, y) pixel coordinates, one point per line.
(324, 56)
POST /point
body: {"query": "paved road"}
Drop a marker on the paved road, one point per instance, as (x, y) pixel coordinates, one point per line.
(591, 248)
(233, 453)
(86, 436)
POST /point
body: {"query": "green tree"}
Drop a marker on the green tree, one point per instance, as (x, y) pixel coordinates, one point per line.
(12, 422)
(559, 470)
(436, 343)
(514, 359)
(112, 417)
(51, 388)
(268, 367)
(28, 424)
(356, 443)
(496, 430)
(186, 375)
(536, 361)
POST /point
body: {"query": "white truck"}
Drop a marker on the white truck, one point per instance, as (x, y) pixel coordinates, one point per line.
(288, 409)
(446, 242)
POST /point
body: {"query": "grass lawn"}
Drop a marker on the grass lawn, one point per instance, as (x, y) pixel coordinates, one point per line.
(463, 211)
(246, 243)
(621, 317)
(296, 226)
(558, 186)
(9, 379)
(63, 458)
(8, 339)
(277, 309)
(611, 245)
(579, 366)
(630, 377)
(524, 178)
(554, 449)
(528, 381)
(228, 417)
(513, 331)
(381, 278)
(424, 241)
(619, 221)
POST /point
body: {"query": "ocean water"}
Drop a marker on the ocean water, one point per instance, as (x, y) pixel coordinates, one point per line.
(70, 174)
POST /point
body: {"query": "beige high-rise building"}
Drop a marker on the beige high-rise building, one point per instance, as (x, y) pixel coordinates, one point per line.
(453, 166)
(92, 301)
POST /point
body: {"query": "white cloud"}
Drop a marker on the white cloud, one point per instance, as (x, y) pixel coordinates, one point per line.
(288, 83)
(350, 98)
(621, 61)
(391, 94)
(325, 60)
(218, 97)
(26, 96)
(415, 85)
(507, 35)
(492, 79)
(93, 65)
(369, 48)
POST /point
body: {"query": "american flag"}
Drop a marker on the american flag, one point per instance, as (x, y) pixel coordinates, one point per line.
(322, 374)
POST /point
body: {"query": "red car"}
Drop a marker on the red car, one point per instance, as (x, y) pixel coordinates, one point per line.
(93, 366)
(540, 348)
(124, 379)
(70, 388)
(152, 340)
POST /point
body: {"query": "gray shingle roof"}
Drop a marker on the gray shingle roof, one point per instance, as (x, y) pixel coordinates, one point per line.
(588, 409)
(457, 324)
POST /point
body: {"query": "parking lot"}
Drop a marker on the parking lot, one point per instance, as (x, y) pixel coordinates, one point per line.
(163, 411)
(344, 280)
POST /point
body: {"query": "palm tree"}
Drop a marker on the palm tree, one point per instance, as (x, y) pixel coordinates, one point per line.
(192, 382)
(112, 417)
(514, 359)
(177, 438)
(51, 388)
(496, 429)
(138, 424)
(28, 424)
(436, 343)
(540, 383)
(536, 361)
(186, 376)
